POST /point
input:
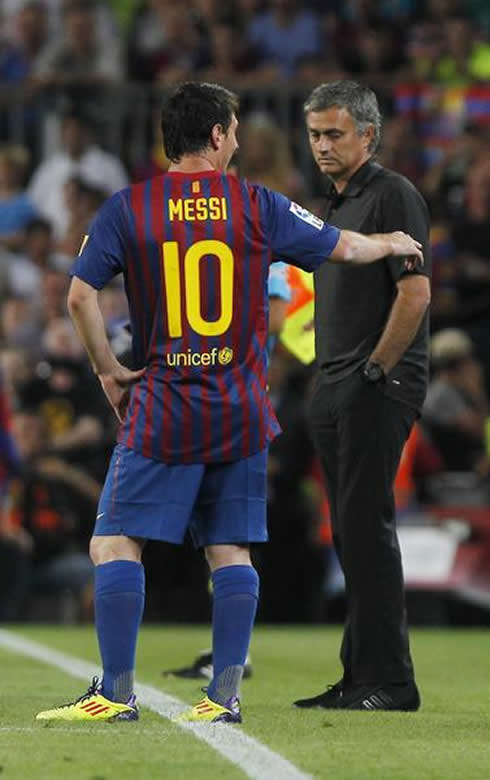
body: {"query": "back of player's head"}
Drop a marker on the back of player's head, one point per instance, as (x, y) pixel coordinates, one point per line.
(358, 100)
(190, 114)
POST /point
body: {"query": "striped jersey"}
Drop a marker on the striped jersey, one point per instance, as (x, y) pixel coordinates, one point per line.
(195, 251)
(9, 458)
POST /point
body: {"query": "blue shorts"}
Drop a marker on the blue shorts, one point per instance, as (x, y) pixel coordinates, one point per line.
(220, 503)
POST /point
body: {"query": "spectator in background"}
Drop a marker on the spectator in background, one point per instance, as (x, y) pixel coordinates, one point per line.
(66, 395)
(9, 456)
(284, 35)
(24, 321)
(265, 156)
(45, 525)
(25, 43)
(376, 56)
(231, 61)
(9, 468)
(16, 208)
(79, 155)
(81, 201)
(106, 26)
(78, 56)
(464, 58)
(420, 459)
(247, 11)
(25, 270)
(16, 322)
(400, 148)
(456, 408)
(423, 48)
(16, 367)
(444, 182)
(182, 54)
(164, 44)
(471, 239)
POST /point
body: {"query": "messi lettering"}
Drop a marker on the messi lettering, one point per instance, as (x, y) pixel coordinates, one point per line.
(197, 209)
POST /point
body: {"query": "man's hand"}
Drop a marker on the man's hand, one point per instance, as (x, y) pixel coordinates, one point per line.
(402, 244)
(117, 385)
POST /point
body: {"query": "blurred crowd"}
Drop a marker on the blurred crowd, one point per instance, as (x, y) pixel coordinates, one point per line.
(68, 71)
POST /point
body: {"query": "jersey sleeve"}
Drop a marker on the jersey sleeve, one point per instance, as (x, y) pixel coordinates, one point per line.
(278, 284)
(102, 254)
(295, 234)
(403, 208)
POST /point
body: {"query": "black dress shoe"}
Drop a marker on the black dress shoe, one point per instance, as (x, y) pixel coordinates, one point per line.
(328, 700)
(404, 698)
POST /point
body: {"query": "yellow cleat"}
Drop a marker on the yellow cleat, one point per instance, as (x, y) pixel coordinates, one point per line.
(93, 706)
(208, 711)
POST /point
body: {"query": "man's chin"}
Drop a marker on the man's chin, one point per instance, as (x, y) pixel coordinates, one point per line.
(328, 166)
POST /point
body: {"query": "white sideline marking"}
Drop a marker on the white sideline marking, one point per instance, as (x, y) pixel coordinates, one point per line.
(254, 759)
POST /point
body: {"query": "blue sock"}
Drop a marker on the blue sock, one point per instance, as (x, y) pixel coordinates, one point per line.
(235, 596)
(119, 604)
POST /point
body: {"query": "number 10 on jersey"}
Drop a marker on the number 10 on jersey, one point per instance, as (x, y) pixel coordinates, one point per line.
(192, 274)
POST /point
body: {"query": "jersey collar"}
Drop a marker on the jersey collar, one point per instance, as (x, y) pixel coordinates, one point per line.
(357, 182)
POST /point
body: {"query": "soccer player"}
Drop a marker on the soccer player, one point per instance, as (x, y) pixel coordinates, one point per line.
(194, 246)
(9, 457)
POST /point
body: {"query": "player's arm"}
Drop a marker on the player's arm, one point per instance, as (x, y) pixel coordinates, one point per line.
(115, 379)
(303, 239)
(101, 258)
(359, 249)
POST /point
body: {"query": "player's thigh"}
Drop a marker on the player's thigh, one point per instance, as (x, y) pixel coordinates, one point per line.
(147, 499)
(231, 507)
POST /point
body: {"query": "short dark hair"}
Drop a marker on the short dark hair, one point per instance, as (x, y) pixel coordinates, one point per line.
(360, 102)
(37, 224)
(190, 114)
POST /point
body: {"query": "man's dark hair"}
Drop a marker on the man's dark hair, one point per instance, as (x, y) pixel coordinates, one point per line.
(37, 224)
(359, 101)
(190, 114)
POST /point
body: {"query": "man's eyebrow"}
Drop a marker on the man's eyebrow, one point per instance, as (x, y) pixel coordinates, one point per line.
(325, 130)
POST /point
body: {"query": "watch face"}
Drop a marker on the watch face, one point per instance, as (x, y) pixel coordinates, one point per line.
(373, 372)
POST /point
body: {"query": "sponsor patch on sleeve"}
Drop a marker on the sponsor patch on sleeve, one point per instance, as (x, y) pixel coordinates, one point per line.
(306, 215)
(85, 239)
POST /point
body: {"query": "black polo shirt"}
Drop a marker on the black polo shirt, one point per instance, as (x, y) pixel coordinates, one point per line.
(352, 303)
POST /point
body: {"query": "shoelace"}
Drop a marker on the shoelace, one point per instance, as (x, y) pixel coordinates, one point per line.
(91, 691)
(337, 688)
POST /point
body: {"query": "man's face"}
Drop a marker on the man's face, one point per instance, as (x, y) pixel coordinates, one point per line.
(337, 147)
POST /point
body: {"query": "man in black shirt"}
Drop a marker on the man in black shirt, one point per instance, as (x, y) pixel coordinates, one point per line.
(371, 331)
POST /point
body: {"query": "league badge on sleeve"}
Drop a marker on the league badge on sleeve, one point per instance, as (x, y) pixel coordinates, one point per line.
(306, 215)
(82, 247)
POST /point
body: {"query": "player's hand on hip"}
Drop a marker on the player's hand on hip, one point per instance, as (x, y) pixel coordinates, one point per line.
(403, 245)
(117, 387)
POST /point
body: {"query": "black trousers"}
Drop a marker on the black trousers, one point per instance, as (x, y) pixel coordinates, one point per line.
(359, 433)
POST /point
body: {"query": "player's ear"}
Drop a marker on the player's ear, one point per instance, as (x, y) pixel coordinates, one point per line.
(216, 136)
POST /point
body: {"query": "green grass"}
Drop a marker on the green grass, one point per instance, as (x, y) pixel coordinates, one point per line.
(449, 739)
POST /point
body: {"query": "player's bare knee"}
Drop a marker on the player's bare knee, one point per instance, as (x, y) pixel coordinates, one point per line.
(219, 555)
(104, 549)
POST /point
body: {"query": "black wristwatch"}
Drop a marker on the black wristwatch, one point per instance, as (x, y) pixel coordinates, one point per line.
(373, 372)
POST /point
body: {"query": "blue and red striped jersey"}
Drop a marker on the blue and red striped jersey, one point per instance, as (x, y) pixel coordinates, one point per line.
(9, 458)
(195, 251)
